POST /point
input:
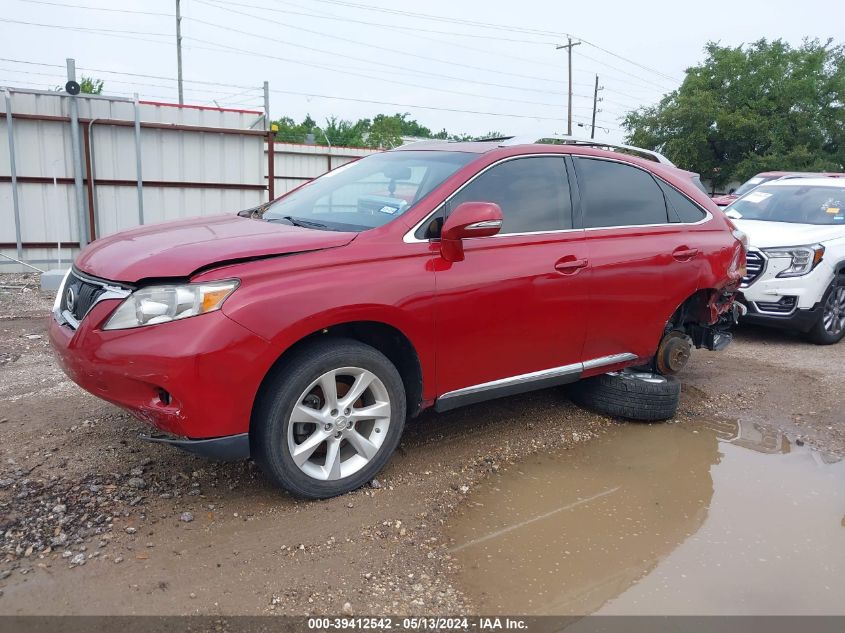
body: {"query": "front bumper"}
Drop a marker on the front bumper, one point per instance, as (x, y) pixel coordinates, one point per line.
(800, 319)
(196, 378)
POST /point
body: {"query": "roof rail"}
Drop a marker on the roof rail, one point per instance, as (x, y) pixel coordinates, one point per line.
(562, 139)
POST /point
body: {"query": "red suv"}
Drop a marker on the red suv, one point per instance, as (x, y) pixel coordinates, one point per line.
(435, 275)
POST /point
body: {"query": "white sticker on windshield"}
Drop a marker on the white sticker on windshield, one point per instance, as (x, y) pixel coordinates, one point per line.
(756, 197)
(754, 181)
(388, 209)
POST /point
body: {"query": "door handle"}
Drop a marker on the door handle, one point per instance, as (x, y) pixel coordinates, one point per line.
(569, 265)
(683, 254)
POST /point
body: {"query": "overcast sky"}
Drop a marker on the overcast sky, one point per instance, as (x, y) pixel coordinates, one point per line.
(367, 52)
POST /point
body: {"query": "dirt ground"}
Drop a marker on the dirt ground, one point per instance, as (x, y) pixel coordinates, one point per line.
(95, 521)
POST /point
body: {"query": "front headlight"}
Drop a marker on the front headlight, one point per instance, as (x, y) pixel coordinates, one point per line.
(160, 304)
(803, 258)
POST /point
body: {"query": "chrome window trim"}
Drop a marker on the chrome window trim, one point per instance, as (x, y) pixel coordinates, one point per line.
(64, 317)
(410, 238)
(536, 376)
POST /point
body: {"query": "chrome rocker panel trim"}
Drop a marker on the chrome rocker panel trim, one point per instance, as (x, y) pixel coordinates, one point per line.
(525, 382)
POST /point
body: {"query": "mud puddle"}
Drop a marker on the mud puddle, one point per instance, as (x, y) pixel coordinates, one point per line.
(715, 518)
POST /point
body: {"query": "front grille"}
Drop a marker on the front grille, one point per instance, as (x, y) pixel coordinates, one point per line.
(784, 306)
(79, 295)
(754, 266)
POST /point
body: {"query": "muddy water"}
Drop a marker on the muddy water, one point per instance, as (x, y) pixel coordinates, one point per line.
(716, 518)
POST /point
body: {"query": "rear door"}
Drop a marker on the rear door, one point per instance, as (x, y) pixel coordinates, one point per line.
(516, 304)
(644, 263)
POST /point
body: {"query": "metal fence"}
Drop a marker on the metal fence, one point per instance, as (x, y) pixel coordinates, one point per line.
(139, 162)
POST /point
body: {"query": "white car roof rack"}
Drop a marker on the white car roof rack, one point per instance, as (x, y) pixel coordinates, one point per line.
(562, 139)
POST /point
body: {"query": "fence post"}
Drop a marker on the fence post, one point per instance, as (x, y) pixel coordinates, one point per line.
(76, 150)
(271, 165)
(10, 130)
(138, 160)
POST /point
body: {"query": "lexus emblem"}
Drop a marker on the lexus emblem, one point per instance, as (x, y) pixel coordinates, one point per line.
(70, 299)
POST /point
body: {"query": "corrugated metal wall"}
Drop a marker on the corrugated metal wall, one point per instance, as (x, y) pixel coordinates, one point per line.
(194, 161)
(297, 164)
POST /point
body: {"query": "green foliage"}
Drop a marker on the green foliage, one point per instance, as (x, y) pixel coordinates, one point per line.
(87, 85)
(91, 86)
(758, 107)
(384, 131)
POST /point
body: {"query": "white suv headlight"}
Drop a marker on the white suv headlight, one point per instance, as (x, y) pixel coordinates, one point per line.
(160, 304)
(804, 258)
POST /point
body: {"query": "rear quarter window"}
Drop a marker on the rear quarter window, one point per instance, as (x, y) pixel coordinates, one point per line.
(685, 209)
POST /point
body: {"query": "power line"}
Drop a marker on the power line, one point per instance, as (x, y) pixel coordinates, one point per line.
(217, 46)
(376, 46)
(410, 30)
(412, 105)
(90, 8)
(488, 25)
(84, 29)
(128, 74)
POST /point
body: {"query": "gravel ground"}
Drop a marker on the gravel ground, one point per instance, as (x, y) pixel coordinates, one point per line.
(95, 521)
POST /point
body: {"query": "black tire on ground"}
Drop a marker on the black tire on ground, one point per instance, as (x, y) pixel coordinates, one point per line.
(274, 406)
(818, 334)
(625, 395)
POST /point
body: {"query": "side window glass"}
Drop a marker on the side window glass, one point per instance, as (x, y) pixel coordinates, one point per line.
(684, 208)
(532, 192)
(615, 194)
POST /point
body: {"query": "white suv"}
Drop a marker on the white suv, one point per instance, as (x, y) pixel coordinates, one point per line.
(796, 256)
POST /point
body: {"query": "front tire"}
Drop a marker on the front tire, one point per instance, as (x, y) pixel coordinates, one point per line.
(830, 328)
(328, 419)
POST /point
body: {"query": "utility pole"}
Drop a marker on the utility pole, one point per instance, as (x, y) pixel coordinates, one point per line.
(595, 106)
(568, 48)
(179, 50)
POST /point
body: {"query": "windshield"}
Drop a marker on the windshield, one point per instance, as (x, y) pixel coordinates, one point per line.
(750, 184)
(800, 204)
(369, 192)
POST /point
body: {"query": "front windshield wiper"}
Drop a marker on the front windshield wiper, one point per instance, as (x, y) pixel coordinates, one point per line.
(307, 224)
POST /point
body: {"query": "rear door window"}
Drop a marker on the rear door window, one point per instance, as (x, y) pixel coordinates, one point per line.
(616, 194)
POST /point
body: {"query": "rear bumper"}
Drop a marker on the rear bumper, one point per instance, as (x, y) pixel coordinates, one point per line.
(196, 378)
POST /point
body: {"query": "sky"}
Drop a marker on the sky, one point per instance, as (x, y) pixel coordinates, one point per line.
(468, 66)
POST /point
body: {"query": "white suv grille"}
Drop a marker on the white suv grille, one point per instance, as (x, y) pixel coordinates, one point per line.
(755, 264)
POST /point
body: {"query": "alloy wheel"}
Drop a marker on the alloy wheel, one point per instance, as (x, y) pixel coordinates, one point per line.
(339, 423)
(833, 316)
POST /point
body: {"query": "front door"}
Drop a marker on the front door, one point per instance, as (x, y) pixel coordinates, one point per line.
(514, 310)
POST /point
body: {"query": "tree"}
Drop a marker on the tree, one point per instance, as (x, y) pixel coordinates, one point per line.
(752, 108)
(385, 132)
(87, 85)
(91, 86)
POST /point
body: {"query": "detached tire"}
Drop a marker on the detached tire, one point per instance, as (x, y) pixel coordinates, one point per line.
(328, 418)
(634, 395)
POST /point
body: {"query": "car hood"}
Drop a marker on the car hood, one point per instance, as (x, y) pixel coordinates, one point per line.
(725, 200)
(178, 249)
(762, 234)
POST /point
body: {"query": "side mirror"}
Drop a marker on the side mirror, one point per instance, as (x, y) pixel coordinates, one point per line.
(732, 189)
(469, 219)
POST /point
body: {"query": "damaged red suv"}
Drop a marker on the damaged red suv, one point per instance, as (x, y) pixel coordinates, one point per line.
(305, 332)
